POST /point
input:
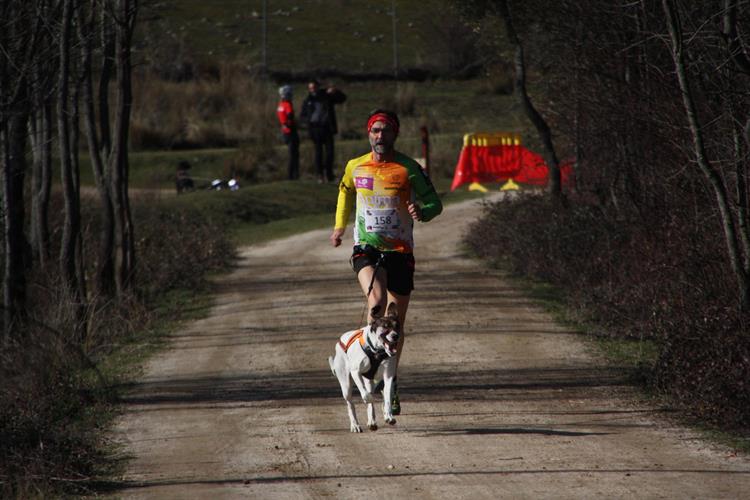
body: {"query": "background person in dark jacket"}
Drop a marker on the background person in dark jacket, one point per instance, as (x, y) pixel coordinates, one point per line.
(320, 116)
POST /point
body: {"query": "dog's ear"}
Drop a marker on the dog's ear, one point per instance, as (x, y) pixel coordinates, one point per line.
(392, 310)
(375, 311)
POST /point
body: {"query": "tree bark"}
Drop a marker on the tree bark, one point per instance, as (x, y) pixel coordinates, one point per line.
(104, 283)
(18, 39)
(107, 26)
(125, 15)
(72, 217)
(41, 178)
(14, 286)
(40, 134)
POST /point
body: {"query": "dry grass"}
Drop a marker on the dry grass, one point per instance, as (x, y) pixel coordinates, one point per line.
(222, 108)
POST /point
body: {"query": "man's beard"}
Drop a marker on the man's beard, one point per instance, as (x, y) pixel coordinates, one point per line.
(382, 149)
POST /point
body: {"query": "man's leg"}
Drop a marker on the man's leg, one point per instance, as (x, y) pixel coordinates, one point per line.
(318, 144)
(328, 145)
(402, 304)
(293, 146)
(400, 279)
(378, 294)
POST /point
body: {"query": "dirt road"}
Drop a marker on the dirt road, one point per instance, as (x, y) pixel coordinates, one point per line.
(498, 400)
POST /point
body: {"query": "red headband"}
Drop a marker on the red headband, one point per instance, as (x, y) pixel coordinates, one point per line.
(382, 117)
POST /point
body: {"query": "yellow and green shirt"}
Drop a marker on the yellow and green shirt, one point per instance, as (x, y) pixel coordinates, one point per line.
(381, 191)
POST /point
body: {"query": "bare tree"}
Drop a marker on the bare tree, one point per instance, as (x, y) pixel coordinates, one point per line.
(42, 90)
(40, 134)
(87, 30)
(735, 231)
(124, 15)
(14, 290)
(70, 255)
(17, 41)
(542, 128)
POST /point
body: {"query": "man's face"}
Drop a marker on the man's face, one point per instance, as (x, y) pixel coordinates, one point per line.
(312, 87)
(382, 137)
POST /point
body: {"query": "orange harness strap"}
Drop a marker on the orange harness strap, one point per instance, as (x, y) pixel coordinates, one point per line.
(352, 339)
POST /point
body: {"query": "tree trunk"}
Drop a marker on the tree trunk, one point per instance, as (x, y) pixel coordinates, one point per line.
(125, 14)
(104, 283)
(76, 181)
(41, 178)
(72, 216)
(107, 22)
(14, 286)
(545, 135)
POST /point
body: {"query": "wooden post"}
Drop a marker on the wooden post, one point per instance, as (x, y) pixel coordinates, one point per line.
(425, 147)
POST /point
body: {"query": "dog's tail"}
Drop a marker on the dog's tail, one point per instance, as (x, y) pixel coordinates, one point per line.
(330, 363)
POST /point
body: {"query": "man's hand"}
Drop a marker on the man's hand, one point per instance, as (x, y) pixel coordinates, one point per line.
(336, 236)
(414, 211)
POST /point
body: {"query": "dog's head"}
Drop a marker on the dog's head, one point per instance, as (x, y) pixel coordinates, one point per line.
(385, 329)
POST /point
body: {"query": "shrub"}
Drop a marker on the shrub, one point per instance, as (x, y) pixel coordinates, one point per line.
(53, 399)
(643, 276)
(176, 248)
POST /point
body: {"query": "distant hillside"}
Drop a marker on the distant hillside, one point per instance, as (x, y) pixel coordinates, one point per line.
(341, 36)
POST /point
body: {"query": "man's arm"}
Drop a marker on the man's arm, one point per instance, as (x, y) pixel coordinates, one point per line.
(336, 236)
(431, 206)
(344, 205)
(335, 96)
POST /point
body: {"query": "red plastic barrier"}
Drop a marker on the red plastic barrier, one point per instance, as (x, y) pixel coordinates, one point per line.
(498, 163)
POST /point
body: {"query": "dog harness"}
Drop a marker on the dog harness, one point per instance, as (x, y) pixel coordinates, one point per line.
(376, 356)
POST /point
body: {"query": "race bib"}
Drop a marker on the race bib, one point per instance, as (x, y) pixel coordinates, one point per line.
(384, 220)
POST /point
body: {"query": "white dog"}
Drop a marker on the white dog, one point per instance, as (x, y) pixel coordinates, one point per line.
(364, 356)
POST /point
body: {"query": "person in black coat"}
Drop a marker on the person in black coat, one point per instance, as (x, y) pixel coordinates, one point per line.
(318, 112)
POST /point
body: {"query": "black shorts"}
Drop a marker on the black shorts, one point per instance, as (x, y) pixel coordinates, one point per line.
(399, 267)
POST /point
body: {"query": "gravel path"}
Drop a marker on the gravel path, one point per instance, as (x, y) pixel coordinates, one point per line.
(498, 400)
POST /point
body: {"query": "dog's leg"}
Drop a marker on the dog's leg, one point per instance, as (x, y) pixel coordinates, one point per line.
(367, 397)
(338, 367)
(371, 422)
(359, 380)
(388, 394)
(353, 423)
(330, 363)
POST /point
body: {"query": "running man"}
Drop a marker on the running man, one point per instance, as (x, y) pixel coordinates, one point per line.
(391, 191)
